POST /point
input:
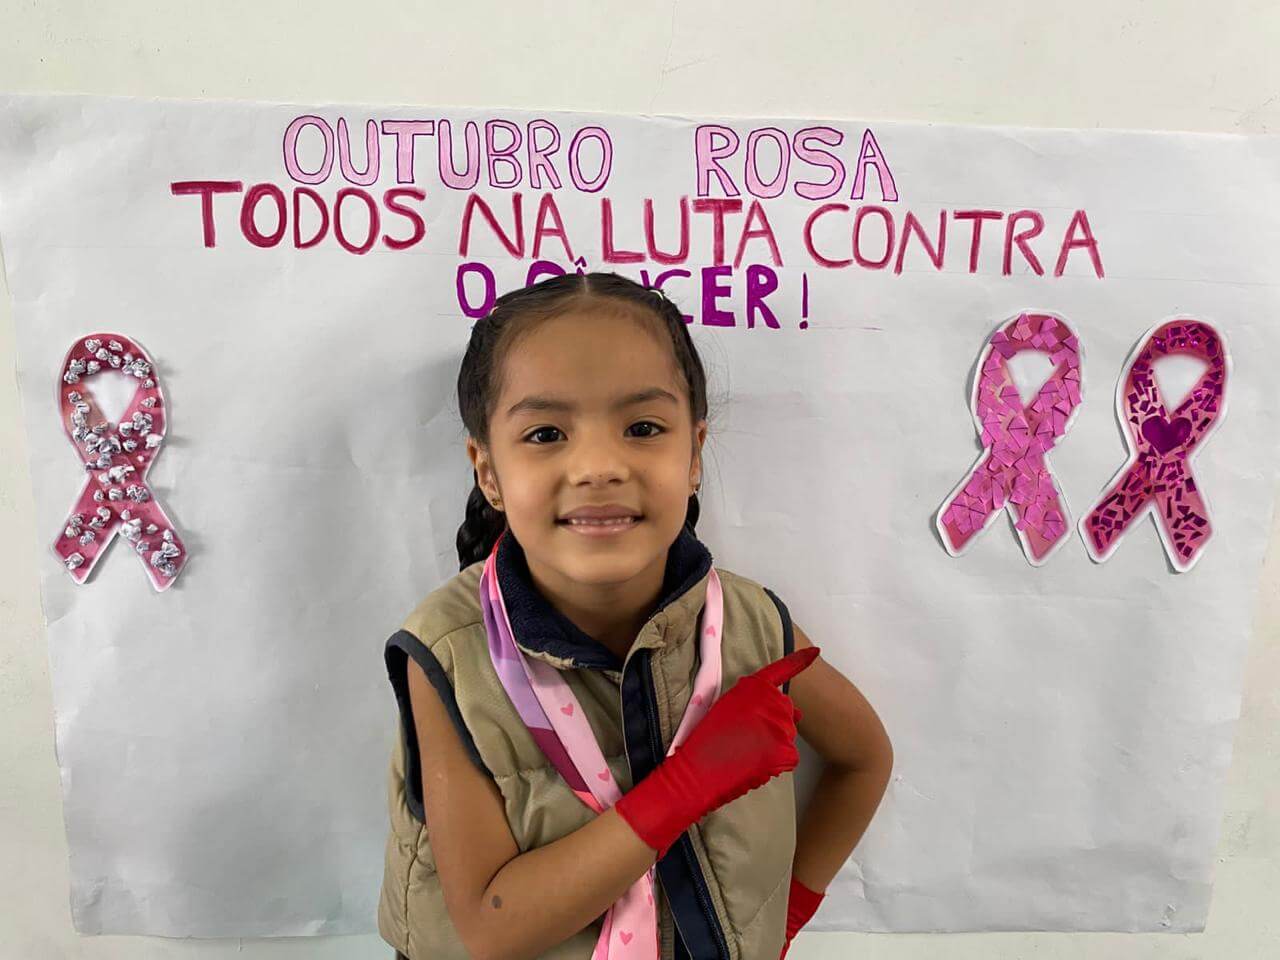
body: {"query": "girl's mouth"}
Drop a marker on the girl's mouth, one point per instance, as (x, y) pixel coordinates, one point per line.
(601, 528)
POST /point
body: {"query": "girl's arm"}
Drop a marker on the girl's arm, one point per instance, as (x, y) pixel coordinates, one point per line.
(838, 722)
(505, 904)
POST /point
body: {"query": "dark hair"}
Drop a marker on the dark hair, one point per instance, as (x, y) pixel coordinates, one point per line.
(515, 313)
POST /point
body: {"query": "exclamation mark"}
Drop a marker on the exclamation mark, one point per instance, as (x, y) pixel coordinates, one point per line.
(804, 301)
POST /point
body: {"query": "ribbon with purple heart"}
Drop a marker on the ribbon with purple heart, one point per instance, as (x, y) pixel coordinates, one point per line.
(1157, 476)
(1011, 472)
(116, 456)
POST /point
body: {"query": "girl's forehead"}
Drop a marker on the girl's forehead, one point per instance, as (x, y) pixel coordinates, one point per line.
(588, 352)
(593, 320)
(572, 361)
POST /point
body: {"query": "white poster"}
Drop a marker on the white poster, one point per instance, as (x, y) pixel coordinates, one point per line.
(1046, 590)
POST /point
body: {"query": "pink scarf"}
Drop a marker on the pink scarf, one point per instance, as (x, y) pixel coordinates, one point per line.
(554, 717)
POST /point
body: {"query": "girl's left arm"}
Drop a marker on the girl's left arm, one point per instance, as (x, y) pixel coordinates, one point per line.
(839, 723)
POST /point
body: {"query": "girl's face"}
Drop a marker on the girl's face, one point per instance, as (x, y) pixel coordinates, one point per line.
(562, 436)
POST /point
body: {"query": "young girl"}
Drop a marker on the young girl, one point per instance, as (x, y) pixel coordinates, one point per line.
(597, 724)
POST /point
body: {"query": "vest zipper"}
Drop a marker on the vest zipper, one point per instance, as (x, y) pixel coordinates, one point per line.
(685, 843)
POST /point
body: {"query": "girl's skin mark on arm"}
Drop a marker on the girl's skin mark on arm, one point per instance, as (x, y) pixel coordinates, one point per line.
(497, 902)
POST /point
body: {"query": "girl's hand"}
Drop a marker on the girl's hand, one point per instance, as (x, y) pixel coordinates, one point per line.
(746, 738)
(801, 905)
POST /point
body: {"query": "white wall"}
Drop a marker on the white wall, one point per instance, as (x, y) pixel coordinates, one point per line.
(1119, 63)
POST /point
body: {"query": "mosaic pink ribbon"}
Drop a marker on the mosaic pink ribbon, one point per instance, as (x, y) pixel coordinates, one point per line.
(1011, 472)
(115, 497)
(552, 713)
(1157, 476)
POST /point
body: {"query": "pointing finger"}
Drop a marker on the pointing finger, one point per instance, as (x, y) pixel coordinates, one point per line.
(779, 671)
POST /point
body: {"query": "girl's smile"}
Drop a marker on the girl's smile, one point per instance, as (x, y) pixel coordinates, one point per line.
(601, 528)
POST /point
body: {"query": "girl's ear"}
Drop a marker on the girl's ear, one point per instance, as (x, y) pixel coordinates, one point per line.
(479, 457)
(695, 468)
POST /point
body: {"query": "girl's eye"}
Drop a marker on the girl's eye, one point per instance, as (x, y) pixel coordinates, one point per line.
(538, 431)
(651, 424)
(529, 437)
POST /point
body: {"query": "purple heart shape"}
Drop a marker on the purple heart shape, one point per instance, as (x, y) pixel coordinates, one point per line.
(1165, 435)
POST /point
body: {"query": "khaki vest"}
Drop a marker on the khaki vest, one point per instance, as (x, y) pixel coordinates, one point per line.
(722, 888)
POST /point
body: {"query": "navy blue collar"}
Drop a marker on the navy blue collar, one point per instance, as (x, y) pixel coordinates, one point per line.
(539, 626)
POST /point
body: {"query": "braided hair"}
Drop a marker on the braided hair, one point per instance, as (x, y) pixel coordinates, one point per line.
(492, 336)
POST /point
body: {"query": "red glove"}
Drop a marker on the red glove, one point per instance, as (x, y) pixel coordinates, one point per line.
(745, 739)
(801, 905)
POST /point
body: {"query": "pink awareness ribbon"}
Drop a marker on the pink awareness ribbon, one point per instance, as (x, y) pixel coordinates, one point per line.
(1157, 476)
(1011, 472)
(115, 497)
(554, 717)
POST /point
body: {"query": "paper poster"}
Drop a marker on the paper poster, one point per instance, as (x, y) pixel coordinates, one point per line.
(298, 282)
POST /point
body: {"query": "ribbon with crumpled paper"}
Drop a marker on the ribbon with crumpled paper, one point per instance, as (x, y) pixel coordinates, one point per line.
(116, 458)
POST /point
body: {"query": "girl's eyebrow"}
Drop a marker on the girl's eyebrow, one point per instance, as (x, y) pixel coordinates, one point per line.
(543, 401)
